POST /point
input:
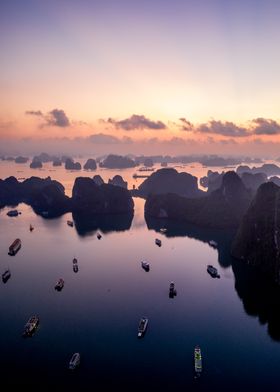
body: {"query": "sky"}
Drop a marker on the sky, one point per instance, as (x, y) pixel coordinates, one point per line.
(175, 76)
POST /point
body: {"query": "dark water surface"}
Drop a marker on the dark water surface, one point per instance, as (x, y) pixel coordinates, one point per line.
(235, 319)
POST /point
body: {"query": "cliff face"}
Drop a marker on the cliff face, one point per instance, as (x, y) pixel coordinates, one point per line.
(89, 198)
(170, 181)
(223, 208)
(117, 162)
(258, 239)
(90, 164)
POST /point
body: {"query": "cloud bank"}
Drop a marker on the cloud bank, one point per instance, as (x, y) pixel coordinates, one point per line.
(135, 122)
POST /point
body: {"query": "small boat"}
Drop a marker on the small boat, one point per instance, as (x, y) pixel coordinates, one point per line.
(163, 230)
(145, 265)
(13, 213)
(31, 228)
(212, 243)
(213, 271)
(6, 276)
(74, 361)
(142, 327)
(197, 361)
(135, 175)
(172, 290)
(31, 326)
(75, 265)
(99, 236)
(15, 247)
(158, 242)
(146, 169)
(59, 284)
(70, 223)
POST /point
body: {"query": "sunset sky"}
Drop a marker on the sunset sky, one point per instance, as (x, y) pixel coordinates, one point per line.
(141, 76)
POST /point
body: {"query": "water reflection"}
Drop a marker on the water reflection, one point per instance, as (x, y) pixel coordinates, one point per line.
(89, 225)
(223, 238)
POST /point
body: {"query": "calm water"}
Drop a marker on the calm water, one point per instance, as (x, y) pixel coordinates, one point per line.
(235, 319)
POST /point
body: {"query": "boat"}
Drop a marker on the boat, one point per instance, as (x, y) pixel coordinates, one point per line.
(135, 175)
(15, 247)
(213, 271)
(172, 290)
(31, 326)
(6, 276)
(70, 223)
(146, 169)
(145, 265)
(99, 236)
(75, 265)
(59, 284)
(158, 242)
(142, 327)
(163, 230)
(74, 361)
(197, 361)
(213, 244)
(13, 213)
(31, 228)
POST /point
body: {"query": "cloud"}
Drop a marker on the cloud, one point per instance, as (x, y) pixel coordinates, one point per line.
(222, 128)
(55, 118)
(264, 126)
(34, 112)
(136, 122)
(186, 125)
(102, 138)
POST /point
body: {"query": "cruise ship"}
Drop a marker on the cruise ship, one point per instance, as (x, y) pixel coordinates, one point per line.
(15, 247)
(31, 326)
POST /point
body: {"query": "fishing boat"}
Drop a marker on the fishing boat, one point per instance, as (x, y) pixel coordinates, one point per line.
(31, 326)
(197, 361)
(74, 361)
(213, 271)
(172, 290)
(6, 276)
(158, 242)
(15, 247)
(75, 265)
(145, 265)
(59, 284)
(142, 327)
(70, 223)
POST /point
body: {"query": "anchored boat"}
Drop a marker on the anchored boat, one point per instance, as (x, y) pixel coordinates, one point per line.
(15, 247)
(6, 276)
(59, 284)
(158, 242)
(197, 361)
(213, 271)
(172, 290)
(145, 265)
(75, 265)
(31, 326)
(75, 361)
(142, 327)
(70, 223)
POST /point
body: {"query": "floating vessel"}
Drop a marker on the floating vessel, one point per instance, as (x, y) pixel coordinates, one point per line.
(135, 175)
(31, 326)
(75, 265)
(213, 271)
(212, 243)
(6, 276)
(146, 169)
(70, 223)
(145, 265)
(197, 361)
(172, 290)
(15, 247)
(31, 228)
(13, 213)
(99, 236)
(59, 284)
(163, 230)
(142, 327)
(158, 242)
(75, 361)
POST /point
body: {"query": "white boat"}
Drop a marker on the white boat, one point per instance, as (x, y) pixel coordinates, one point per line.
(158, 242)
(213, 271)
(59, 284)
(74, 361)
(145, 265)
(163, 230)
(212, 243)
(142, 326)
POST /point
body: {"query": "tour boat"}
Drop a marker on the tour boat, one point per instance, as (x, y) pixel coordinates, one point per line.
(213, 271)
(6, 276)
(158, 242)
(31, 326)
(145, 265)
(13, 213)
(59, 284)
(75, 265)
(15, 247)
